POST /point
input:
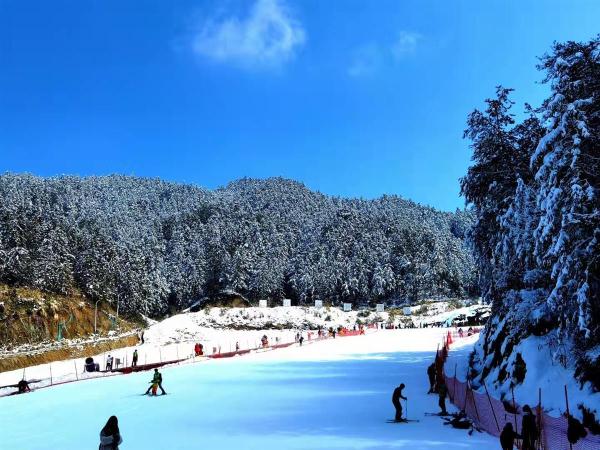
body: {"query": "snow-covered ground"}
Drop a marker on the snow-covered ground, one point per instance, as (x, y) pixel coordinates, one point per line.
(219, 329)
(333, 394)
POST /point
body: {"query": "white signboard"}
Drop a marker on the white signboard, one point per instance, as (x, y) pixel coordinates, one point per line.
(380, 307)
(287, 302)
(262, 303)
(318, 303)
(347, 307)
(406, 310)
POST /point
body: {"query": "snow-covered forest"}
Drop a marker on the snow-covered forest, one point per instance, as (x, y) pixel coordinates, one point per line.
(156, 246)
(535, 187)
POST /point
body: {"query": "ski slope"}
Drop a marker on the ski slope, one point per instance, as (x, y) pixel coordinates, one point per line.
(334, 394)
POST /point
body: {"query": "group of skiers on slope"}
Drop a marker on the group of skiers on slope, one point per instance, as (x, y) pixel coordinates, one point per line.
(437, 385)
(529, 430)
(397, 396)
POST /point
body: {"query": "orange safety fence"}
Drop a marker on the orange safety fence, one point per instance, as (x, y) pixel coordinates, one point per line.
(490, 414)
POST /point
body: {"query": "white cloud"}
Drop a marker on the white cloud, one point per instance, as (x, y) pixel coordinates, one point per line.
(366, 60)
(268, 36)
(406, 44)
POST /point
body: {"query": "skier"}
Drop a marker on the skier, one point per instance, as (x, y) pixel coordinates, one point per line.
(135, 358)
(396, 396)
(431, 375)
(23, 386)
(529, 429)
(200, 349)
(301, 340)
(507, 437)
(197, 349)
(109, 363)
(237, 346)
(110, 436)
(442, 392)
(156, 379)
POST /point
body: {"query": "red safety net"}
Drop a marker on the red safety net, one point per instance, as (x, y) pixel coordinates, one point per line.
(491, 414)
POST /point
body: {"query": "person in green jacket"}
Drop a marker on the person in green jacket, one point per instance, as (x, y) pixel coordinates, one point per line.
(157, 378)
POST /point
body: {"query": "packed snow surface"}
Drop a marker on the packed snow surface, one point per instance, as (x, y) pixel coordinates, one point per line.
(333, 394)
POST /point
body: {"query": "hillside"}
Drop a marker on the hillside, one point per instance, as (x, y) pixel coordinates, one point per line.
(159, 246)
(37, 327)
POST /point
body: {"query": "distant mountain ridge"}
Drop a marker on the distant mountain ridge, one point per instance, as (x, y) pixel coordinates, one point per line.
(155, 245)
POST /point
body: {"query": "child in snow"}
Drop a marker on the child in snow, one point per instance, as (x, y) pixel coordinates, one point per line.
(156, 380)
(110, 436)
(507, 437)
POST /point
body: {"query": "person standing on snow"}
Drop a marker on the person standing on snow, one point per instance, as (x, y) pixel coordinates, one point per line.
(507, 437)
(109, 363)
(442, 392)
(110, 436)
(529, 429)
(396, 396)
(156, 379)
(431, 375)
(301, 340)
(135, 358)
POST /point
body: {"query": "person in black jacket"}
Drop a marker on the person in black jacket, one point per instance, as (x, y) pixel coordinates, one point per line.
(529, 429)
(431, 375)
(396, 396)
(508, 436)
(442, 393)
(23, 386)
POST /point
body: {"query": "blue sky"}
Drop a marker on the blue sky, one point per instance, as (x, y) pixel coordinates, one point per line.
(353, 98)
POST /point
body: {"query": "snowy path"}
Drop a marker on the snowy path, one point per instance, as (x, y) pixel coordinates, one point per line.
(330, 395)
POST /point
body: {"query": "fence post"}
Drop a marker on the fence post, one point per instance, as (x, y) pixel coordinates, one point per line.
(474, 402)
(177, 350)
(76, 374)
(539, 411)
(466, 393)
(454, 383)
(50, 366)
(515, 413)
(568, 413)
(160, 353)
(491, 406)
